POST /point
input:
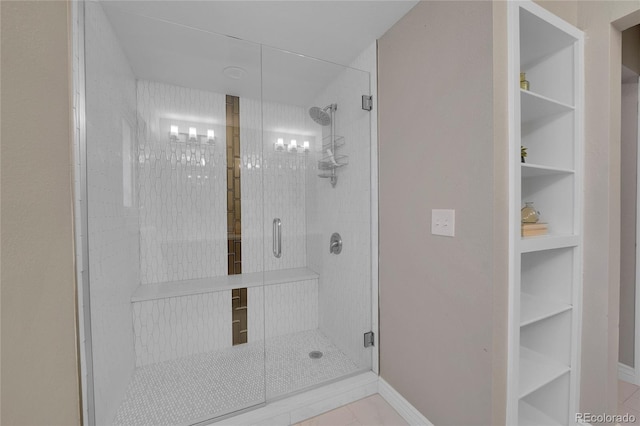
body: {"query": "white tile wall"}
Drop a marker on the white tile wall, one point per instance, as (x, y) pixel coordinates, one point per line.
(281, 309)
(183, 221)
(176, 327)
(251, 191)
(183, 216)
(113, 228)
(276, 188)
(345, 279)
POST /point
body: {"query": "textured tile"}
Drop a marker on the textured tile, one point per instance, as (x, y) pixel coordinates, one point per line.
(374, 410)
(625, 390)
(212, 384)
(175, 327)
(633, 402)
(182, 185)
(370, 411)
(339, 417)
(630, 412)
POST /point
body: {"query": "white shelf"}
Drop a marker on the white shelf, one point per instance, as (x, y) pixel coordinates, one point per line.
(536, 107)
(534, 309)
(537, 370)
(547, 242)
(531, 416)
(224, 282)
(535, 170)
(545, 287)
(541, 37)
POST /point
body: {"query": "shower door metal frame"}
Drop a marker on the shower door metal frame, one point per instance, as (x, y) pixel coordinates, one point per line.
(81, 217)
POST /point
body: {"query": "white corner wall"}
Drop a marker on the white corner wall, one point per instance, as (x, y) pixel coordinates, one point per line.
(113, 227)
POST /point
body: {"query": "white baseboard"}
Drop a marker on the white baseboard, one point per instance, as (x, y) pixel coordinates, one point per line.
(309, 404)
(401, 405)
(626, 373)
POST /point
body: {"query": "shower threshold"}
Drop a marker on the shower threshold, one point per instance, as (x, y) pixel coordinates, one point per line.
(214, 384)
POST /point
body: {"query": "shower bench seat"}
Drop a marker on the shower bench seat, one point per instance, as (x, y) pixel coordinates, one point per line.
(220, 283)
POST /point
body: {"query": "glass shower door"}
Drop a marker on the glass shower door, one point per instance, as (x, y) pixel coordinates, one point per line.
(317, 219)
(175, 219)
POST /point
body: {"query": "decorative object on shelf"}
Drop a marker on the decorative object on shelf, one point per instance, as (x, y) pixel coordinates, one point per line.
(529, 214)
(534, 229)
(523, 153)
(524, 84)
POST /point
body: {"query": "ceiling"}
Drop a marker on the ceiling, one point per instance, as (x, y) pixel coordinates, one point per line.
(182, 42)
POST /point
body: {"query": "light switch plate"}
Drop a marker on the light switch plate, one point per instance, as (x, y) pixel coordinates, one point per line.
(443, 222)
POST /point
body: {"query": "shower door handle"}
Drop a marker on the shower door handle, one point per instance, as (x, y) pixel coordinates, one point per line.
(277, 237)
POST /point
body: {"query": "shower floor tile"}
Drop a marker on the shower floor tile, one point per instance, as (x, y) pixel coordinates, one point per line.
(212, 384)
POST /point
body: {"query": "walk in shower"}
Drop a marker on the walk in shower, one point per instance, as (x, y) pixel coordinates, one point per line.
(217, 171)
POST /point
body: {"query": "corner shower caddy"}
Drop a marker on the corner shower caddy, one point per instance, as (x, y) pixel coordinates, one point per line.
(330, 161)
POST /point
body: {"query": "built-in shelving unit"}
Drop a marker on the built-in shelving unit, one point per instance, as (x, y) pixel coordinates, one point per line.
(545, 271)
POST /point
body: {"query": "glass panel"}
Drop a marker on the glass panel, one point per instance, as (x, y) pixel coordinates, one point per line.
(175, 341)
(316, 317)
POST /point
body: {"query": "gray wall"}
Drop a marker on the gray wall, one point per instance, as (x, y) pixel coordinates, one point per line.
(628, 184)
(630, 48)
(436, 151)
(629, 151)
(40, 383)
(601, 292)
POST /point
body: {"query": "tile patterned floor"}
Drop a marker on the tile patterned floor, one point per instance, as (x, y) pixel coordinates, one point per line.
(371, 411)
(629, 400)
(203, 386)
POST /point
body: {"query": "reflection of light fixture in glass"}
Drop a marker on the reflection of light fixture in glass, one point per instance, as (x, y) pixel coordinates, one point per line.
(193, 133)
(293, 146)
(174, 132)
(305, 145)
(235, 73)
(211, 135)
(280, 144)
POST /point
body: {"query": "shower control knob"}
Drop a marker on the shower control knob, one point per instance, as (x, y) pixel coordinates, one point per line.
(335, 244)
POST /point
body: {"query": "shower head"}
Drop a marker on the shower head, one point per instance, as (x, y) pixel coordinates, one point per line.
(320, 115)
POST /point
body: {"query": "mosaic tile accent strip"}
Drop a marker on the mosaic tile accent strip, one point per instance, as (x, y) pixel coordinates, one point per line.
(212, 384)
(239, 308)
(175, 327)
(182, 184)
(234, 183)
